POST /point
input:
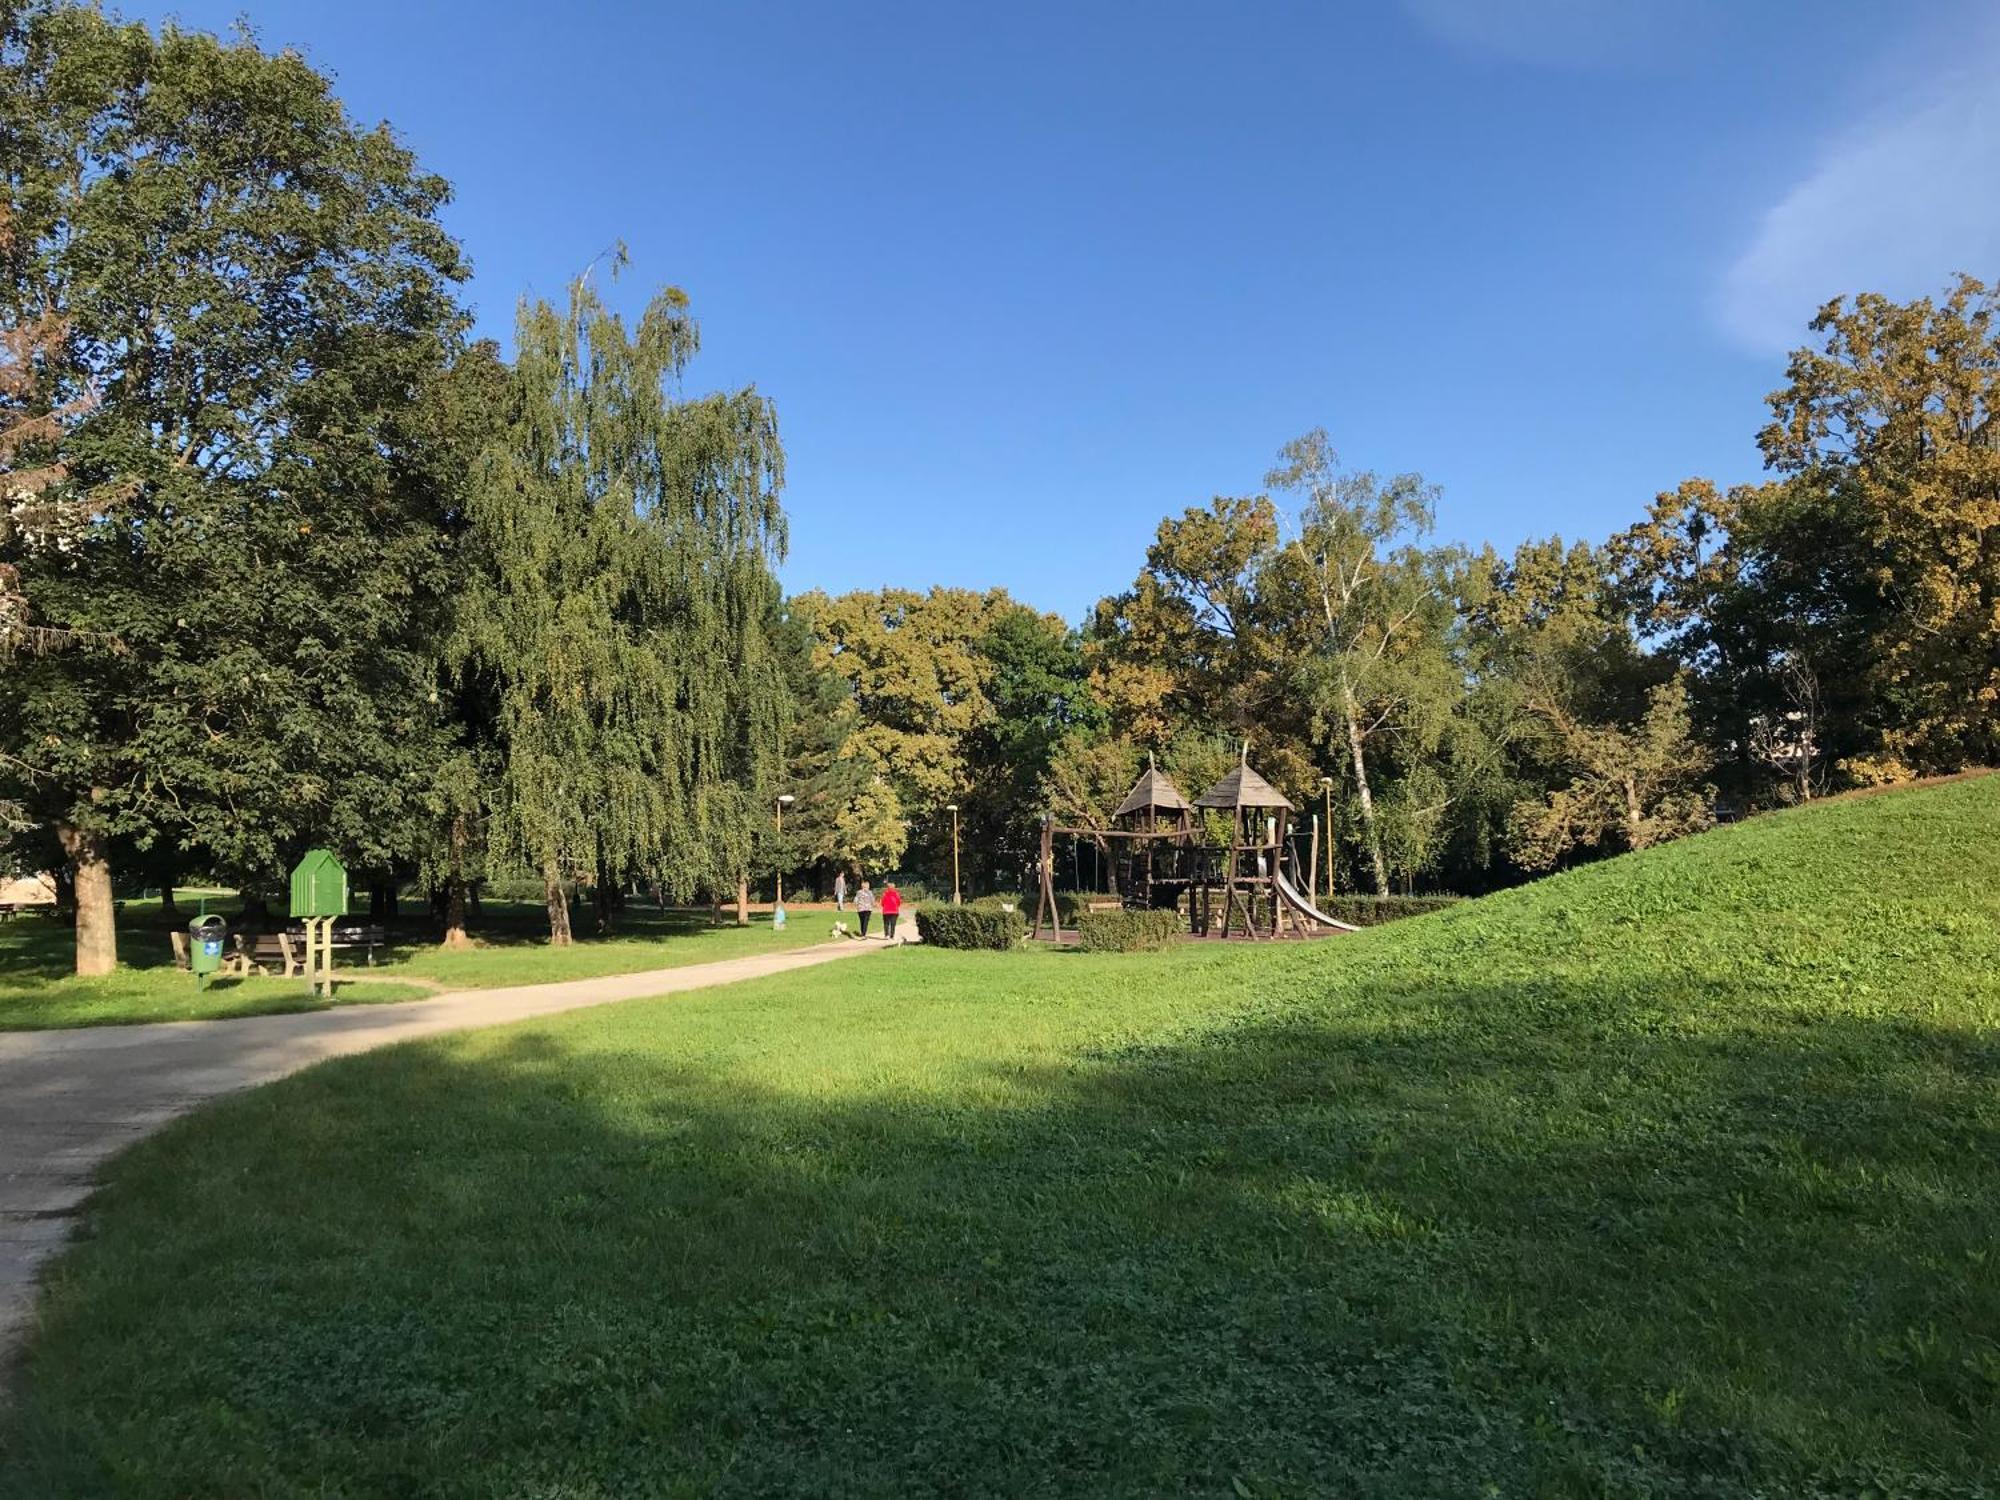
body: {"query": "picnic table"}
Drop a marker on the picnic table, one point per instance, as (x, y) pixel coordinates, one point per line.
(284, 950)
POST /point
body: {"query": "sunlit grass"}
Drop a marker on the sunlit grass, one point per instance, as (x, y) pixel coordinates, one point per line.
(1677, 1175)
(38, 988)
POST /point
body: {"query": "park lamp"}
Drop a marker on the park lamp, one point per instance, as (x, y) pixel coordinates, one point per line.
(785, 799)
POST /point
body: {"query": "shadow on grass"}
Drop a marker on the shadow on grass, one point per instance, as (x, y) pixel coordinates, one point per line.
(1486, 1240)
(39, 949)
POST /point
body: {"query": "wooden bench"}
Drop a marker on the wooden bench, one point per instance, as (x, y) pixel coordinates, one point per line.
(286, 951)
(366, 941)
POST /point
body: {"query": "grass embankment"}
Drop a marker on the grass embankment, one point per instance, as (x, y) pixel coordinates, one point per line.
(39, 989)
(1677, 1175)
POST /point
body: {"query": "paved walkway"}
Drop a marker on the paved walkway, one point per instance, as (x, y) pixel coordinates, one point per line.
(69, 1099)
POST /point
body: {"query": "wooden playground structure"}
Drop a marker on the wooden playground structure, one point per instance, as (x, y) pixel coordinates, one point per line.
(1163, 856)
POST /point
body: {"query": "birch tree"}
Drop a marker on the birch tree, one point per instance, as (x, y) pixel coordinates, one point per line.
(1359, 544)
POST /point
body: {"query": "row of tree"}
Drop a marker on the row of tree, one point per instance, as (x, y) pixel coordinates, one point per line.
(1473, 718)
(285, 559)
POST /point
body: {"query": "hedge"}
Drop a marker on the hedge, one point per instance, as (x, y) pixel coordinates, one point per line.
(1073, 904)
(1128, 931)
(1371, 911)
(969, 927)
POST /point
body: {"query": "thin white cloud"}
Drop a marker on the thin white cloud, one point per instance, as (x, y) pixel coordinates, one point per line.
(1897, 205)
(1549, 33)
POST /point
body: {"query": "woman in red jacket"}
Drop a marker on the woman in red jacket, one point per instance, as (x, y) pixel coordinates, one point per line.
(892, 902)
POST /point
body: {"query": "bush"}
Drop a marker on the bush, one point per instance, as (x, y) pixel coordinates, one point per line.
(1073, 904)
(1128, 931)
(1372, 911)
(970, 927)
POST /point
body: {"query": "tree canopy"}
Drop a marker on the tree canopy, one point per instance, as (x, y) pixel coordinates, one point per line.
(285, 560)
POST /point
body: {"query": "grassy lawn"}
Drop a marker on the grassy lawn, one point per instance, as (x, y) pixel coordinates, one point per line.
(38, 989)
(1675, 1176)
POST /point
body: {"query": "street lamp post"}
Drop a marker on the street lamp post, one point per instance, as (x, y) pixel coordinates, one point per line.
(778, 910)
(952, 808)
(1326, 789)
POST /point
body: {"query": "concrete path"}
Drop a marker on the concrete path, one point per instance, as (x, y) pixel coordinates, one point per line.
(69, 1099)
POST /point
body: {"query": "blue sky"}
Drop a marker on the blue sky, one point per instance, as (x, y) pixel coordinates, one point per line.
(1023, 279)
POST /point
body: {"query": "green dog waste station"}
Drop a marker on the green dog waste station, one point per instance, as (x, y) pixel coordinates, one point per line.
(319, 897)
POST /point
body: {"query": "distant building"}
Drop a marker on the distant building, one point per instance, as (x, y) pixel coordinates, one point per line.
(28, 890)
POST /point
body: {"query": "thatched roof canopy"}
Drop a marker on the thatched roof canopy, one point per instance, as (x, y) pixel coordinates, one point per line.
(1243, 787)
(1152, 791)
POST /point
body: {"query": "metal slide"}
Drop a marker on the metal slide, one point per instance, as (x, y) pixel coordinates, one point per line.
(1296, 902)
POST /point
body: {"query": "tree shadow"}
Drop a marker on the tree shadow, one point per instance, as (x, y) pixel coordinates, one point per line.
(38, 949)
(1456, 1242)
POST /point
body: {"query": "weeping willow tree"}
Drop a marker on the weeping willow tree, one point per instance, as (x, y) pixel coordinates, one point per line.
(626, 539)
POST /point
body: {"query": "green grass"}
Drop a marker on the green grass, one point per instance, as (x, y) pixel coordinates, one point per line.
(1679, 1175)
(39, 989)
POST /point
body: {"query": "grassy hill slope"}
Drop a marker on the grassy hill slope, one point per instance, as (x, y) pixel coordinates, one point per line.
(1676, 1175)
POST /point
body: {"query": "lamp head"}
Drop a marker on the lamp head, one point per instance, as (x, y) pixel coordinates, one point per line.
(785, 799)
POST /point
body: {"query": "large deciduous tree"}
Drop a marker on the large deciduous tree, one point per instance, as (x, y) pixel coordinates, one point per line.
(251, 292)
(1633, 785)
(621, 608)
(1888, 438)
(962, 696)
(1384, 666)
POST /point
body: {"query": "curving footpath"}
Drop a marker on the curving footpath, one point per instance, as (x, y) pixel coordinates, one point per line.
(69, 1099)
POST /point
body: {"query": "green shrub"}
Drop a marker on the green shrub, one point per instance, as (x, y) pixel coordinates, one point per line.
(1371, 911)
(970, 927)
(1128, 931)
(1073, 904)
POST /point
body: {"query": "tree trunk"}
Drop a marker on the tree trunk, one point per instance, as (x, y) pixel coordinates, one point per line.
(1351, 711)
(742, 903)
(558, 904)
(96, 917)
(603, 898)
(455, 935)
(169, 911)
(1635, 824)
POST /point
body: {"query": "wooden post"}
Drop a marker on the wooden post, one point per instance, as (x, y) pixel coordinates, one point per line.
(1312, 865)
(1326, 785)
(1228, 873)
(1045, 901)
(1279, 915)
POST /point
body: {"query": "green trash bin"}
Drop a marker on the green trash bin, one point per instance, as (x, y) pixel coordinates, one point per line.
(205, 936)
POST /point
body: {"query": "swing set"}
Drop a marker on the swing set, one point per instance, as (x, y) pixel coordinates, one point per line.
(1160, 856)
